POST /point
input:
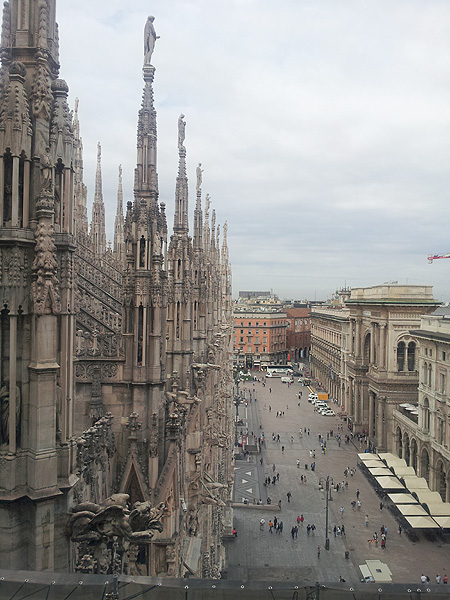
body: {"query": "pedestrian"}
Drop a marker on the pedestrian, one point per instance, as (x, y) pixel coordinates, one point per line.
(270, 526)
(292, 532)
(280, 526)
(399, 530)
(343, 529)
(296, 531)
(366, 520)
(381, 505)
(298, 519)
(289, 496)
(438, 579)
(298, 463)
(358, 504)
(273, 467)
(335, 530)
(383, 544)
(341, 510)
(385, 530)
(275, 521)
(278, 477)
(445, 579)
(282, 448)
(261, 524)
(279, 504)
(308, 529)
(302, 518)
(261, 461)
(318, 551)
(357, 494)
(313, 529)
(234, 532)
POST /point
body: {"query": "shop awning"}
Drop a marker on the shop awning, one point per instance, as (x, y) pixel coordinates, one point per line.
(373, 464)
(412, 510)
(377, 471)
(422, 522)
(402, 499)
(443, 522)
(367, 456)
(438, 509)
(389, 483)
(403, 471)
(412, 482)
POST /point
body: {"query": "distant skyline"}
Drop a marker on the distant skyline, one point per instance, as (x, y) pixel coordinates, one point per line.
(323, 129)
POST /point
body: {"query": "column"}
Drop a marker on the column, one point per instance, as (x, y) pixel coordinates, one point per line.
(15, 193)
(372, 343)
(13, 399)
(358, 338)
(383, 345)
(26, 193)
(371, 403)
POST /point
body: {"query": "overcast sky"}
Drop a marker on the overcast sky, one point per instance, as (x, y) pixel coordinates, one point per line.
(323, 127)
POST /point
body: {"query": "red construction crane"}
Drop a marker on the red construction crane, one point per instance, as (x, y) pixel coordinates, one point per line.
(435, 256)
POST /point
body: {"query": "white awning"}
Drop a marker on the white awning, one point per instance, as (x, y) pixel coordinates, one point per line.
(412, 510)
(422, 522)
(389, 483)
(402, 499)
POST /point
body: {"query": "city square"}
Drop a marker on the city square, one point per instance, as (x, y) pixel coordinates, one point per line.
(256, 554)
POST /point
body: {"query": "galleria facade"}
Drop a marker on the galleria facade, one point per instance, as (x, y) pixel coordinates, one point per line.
(116, 420)
(383, 353)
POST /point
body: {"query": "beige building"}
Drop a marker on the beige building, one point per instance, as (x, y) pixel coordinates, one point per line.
(422, 436)
(382, 366)
(329, 348)
(364, 354)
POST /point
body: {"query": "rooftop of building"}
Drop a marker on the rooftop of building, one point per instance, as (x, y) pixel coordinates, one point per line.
(393, 293)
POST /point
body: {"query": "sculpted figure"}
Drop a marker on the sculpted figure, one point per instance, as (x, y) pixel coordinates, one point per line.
(97, 523)
(181, 131)
(150, 38)
(4, 412)
(199, 176)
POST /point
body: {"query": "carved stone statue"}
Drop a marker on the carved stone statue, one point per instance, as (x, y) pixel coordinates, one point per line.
(4, 412)
(181, 131)
(199, 176)
(150, 38)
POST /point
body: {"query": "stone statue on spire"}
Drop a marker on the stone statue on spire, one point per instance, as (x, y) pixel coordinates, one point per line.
(150, 38)
(199, 176)
(181, 131)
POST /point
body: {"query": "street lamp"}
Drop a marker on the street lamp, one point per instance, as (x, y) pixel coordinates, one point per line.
(328, 484)
(236, 403)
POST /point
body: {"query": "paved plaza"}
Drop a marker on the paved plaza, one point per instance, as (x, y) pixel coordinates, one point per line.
(260, 555)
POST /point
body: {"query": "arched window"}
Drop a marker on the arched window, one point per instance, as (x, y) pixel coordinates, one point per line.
(425, 374)
(401, 356)
(426, 414)
(367, 349)
(142, 251)
(411, 356)
(429, 375)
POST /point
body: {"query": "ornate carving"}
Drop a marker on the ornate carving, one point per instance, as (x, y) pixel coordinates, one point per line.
(45, 291)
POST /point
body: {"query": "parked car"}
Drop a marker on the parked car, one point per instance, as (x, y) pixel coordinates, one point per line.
(328, 413)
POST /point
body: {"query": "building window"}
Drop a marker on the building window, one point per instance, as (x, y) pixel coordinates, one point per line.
(443, 356)
(264, 349)
(442, 382)
(411, 356)
(401, 356)
(242, 339)
(242, 331)
(249, 349)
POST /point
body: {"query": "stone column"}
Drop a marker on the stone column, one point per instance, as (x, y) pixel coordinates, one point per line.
(383, 345)
(371, 408)
(358, 338)
(15, 193)
(13, 399)
(372, 343)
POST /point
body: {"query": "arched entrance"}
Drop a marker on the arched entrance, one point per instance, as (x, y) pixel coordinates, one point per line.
(399, 443)
(425, 465)
(441, 480)
(406, 449)
(413, 461)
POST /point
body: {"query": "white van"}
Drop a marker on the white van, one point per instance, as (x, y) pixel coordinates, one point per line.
(287, 379)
